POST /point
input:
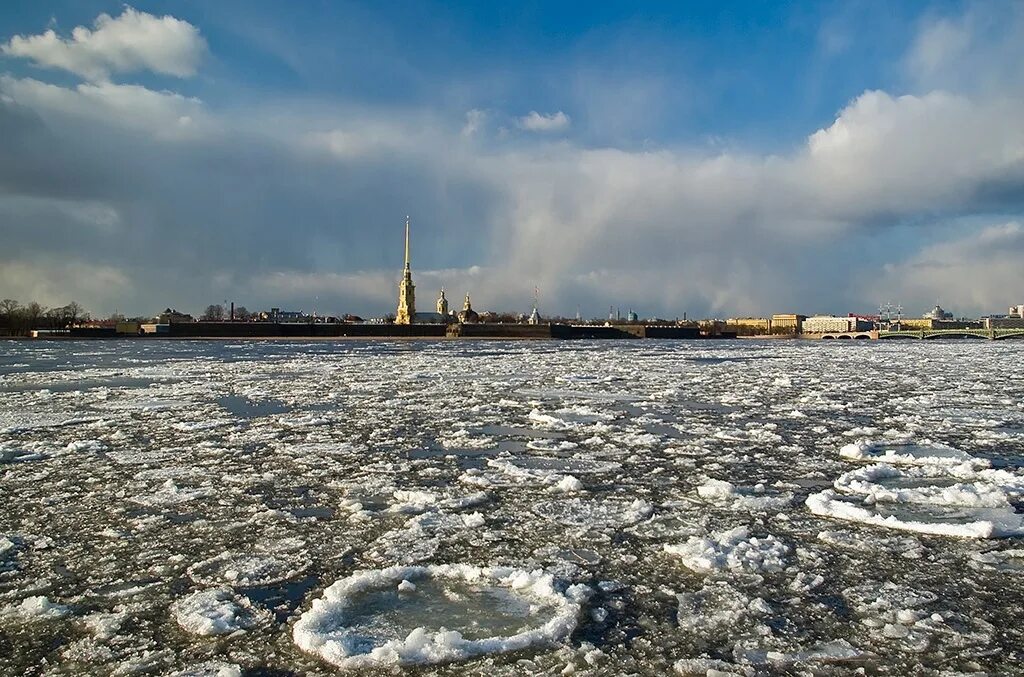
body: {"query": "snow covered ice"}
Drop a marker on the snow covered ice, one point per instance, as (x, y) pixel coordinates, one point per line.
(508, 508)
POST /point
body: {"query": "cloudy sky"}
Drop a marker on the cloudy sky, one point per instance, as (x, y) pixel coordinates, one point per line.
(708, 158)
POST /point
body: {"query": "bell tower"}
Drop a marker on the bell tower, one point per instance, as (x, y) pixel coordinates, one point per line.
(442, 305)
(406, 289)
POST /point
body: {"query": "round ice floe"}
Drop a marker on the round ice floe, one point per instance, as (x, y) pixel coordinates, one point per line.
(926, 453)
(732, 550)
(940, 520)
(217, 612)
(455, 612)
(248, 569)
(595, 513)
(939, 485)
(757, 498)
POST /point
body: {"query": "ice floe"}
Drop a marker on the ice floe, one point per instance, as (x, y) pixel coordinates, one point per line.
(965, 522)
(454, 612)
(924, 453)
(35, 608)
(593, 513)
(219, 611)
(757, 498)
(940, 485)
(731, 550)
(248, 569)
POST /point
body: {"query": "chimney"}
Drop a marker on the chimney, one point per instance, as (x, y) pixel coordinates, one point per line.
(232, 311)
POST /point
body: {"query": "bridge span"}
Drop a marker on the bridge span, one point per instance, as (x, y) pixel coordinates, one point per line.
(930, 334)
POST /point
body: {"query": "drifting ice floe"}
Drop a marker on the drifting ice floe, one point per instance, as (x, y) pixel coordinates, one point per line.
(1003, 561)
(169, 494)
(757, 498)
(217, 612)
(938, 485)
(434, 614)
(940, 520)
(926, 453)
(719, 611)
(732, 550)
(209, 669)
(248, 569)
(594, 514)
(914, 618)
(38, 608)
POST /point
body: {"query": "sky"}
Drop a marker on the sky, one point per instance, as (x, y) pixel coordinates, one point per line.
(716, 159)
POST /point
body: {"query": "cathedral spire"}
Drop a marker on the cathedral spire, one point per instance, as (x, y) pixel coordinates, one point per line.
(406, 289)
(407, 243)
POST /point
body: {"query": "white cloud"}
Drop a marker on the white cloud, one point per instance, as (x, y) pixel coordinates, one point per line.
(938, 45)
(475, 120)
(130, 42)
(165, 114)
(537, 122)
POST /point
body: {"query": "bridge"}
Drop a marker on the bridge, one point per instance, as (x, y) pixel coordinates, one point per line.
(845, 335)
(926, 334)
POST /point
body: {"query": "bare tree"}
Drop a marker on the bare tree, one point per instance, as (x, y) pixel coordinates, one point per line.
(33, 313)
(213, 313)
(242, 314)
(8, 315)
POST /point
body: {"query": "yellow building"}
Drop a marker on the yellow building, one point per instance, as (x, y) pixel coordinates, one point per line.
(917, 323)
(787, 323)
(406, 289)
(750, 325)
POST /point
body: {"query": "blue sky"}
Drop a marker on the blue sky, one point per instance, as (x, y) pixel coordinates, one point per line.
(708, 158)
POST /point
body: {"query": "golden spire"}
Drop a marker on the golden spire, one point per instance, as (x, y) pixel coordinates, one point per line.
(407, 243)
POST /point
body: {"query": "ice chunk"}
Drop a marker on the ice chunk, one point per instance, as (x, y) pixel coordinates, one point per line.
(939, 485)
(219, 611)
(757, 498)
(248, 569)
(458, 611)
(938, 520)
(209, 669)
(925, 453)
(595, 514)
(37, 608)
(569, 484)
(732, 550)
(169, 494)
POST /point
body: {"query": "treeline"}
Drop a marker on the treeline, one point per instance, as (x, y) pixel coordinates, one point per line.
(19, 320)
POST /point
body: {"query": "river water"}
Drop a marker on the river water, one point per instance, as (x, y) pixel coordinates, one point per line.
(608, 507)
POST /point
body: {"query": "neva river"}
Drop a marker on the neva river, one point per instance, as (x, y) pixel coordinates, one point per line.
(493, 508)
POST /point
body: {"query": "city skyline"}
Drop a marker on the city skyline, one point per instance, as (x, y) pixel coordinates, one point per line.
(183, 154)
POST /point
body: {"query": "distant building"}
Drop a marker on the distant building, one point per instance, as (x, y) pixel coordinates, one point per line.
(787, 323)
(1016, 311)
(746, 326)
(406, 289)
(631, 316)
(937, 313)
(172, 316)
(828, 324)
(1011, 322)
